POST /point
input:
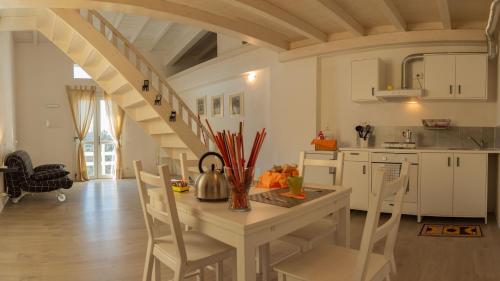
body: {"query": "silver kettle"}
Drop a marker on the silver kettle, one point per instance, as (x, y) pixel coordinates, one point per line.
(211, 185)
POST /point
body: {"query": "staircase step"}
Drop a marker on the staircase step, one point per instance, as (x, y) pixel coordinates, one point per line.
(158, 127)
(118, 76)
(170, 141)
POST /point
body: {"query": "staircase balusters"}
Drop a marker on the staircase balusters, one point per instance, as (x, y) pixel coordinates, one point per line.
(151, 73)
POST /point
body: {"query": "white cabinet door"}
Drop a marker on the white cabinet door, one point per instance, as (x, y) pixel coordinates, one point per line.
(366, 76)
(471, 76)
(439, 76)
(436, 185)
(470, 185)
(356, 177)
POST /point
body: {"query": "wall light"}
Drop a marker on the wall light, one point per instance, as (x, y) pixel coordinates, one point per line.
(251, 76)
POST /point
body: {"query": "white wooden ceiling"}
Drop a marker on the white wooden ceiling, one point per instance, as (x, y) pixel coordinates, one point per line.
(294, 27)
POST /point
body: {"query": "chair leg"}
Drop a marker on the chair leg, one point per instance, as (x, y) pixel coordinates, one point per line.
(388, 277)
(157, 269)
(219, 271)
(179, 274)
(393, 264)
(281, 276)
(234, 269)
(201, 274)
(148, 265)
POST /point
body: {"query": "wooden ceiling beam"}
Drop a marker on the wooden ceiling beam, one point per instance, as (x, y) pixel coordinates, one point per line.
(444, 13)
(464, 36)
(281, 17)
(343, 18)
(164, 29)
(140, 29)
(171, 11)
(392, 13)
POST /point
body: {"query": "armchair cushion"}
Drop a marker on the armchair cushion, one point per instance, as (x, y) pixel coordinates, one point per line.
(49, 167)
(48, 174)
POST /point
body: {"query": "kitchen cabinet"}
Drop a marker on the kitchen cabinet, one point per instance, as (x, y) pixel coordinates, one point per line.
(453, 184)
(471, 76)
(367, 75)
(470, 185)
(356, 176)
(436, 184)
(456, 76)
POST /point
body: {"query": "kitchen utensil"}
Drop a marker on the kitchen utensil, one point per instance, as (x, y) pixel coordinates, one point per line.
(359, 129)
(408, 135)
(367, 131)
(211, 185)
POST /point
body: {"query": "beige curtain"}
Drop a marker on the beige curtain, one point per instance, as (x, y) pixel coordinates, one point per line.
(116, 117)
(82, 101)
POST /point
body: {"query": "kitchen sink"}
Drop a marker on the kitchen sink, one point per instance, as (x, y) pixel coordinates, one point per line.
(462, 148)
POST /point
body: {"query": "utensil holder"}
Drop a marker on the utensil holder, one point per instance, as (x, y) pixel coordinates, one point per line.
(239, 200)
(363, 143)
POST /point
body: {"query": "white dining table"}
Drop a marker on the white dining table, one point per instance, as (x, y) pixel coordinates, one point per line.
(248, 231)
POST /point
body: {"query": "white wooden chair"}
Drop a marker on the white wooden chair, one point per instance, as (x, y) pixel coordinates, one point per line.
(186, 165)
(186, 253)
(307, 236)
(335, 263)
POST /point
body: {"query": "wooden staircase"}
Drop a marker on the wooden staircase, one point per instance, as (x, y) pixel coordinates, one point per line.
(120, 70)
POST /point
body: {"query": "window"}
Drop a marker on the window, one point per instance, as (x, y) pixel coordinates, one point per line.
(79, 73)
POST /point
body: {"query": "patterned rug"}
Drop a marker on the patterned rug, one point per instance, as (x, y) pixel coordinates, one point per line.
(451, 230)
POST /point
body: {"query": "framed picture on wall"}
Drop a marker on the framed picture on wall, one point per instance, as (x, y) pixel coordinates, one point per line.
(218, 106)
(236, 105)
(201, 105)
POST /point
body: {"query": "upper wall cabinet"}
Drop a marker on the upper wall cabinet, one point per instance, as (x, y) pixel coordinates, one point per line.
(367, 75)
(460, 76)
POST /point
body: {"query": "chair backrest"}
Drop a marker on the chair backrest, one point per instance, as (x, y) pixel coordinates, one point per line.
(372, 232)
(337, 164)
(169, 215)
(186, 164)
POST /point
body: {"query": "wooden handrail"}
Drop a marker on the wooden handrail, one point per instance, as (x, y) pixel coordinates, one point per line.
(150, 69)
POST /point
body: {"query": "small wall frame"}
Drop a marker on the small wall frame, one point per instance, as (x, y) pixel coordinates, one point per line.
(236, 105)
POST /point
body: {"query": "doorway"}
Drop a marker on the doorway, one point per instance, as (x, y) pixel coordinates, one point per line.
(99, 146)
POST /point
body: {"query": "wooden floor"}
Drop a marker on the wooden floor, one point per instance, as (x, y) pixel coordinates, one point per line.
(99, 234)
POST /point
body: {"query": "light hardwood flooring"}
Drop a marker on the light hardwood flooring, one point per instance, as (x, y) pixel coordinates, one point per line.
(99, 234)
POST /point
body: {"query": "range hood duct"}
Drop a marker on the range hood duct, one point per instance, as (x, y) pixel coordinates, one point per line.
(404, 66)
(491, 29)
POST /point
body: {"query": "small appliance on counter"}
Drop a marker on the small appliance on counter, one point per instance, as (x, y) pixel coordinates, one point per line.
(211, 185)
(408, 143)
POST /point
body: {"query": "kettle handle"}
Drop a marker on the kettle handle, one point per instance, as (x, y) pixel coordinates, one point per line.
(200, 167)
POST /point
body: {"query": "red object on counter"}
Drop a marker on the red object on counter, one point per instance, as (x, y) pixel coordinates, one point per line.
(321, 136)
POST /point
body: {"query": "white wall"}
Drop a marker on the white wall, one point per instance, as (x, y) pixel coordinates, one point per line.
(340, 114)
(7, 109)
(42, 73)
(282, 99)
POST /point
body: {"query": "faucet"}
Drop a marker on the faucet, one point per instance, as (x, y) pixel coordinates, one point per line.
(480, 143)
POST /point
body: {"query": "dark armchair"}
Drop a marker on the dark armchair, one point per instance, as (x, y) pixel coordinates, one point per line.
(26, 179)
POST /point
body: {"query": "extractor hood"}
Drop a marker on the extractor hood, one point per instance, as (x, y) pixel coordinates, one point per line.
(399, 95)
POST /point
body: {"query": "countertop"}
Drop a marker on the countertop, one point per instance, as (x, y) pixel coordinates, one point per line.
(423, 149)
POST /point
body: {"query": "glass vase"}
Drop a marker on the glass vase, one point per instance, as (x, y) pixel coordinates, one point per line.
(239, 200)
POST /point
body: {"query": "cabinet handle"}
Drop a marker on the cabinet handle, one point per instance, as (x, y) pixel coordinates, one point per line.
(459, 89)
(451, 89)
(354, 153)
(449, 161)
(364, 169)
(373, 91)
(458, 161)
